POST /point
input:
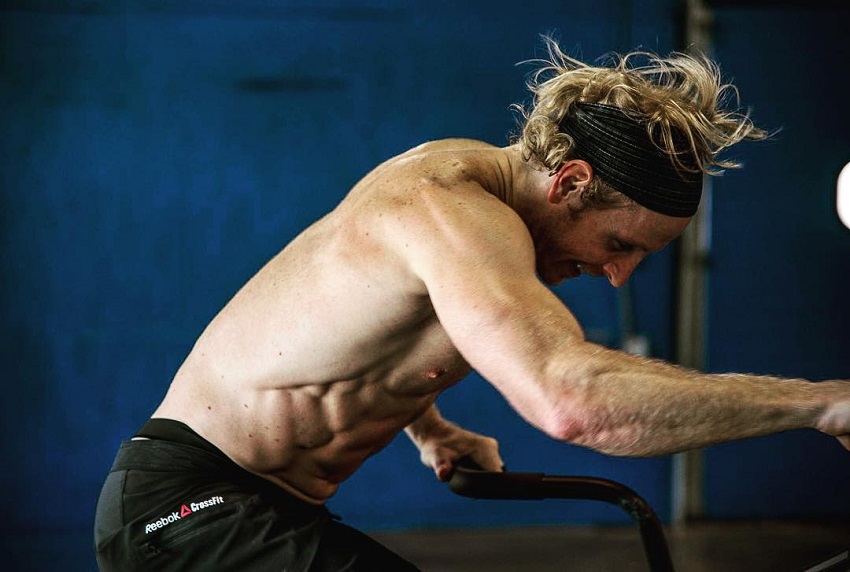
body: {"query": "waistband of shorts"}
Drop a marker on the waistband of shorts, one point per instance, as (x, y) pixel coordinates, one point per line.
(191, 456)
(170, 445)
(168, 456)
(176, 432)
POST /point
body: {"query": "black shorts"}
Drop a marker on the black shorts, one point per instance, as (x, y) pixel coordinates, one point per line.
(176, 502)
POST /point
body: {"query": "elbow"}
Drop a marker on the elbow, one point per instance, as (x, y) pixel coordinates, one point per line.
(568, 414)
(581, 410)
(593, 429)
(566, 422)
(564, 430)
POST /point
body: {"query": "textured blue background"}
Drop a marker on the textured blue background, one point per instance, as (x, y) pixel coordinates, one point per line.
(155, 154)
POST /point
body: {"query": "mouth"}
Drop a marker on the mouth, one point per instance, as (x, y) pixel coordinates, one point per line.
(565, 270)
(573, 269)
(576, 269)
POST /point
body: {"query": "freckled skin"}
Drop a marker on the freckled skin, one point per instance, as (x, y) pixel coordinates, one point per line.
(433, 264)
(310, 368)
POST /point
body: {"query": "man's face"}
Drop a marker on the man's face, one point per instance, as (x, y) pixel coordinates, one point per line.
(609, 243)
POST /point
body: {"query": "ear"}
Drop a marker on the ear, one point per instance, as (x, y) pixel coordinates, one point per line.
(567, 183)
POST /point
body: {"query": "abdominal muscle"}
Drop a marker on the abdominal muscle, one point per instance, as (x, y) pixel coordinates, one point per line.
(306, 439)
(302, 392)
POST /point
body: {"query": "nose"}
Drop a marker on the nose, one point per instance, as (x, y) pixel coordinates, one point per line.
(618, 271)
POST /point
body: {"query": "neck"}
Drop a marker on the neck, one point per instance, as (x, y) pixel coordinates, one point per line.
(525, 184)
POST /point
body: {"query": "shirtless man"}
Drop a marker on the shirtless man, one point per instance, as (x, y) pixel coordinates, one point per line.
(434, 265)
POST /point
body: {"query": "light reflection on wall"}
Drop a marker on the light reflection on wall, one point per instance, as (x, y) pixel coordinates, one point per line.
(842, 201)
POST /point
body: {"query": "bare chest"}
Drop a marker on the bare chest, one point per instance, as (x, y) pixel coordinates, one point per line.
(427, 363)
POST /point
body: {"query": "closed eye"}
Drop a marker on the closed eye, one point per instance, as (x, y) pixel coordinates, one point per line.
(617, 245)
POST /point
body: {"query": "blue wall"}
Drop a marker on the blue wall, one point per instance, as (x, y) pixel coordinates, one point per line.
(154, 155)
(780, 302)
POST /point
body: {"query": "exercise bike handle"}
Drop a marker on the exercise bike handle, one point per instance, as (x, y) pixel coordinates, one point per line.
(470, 481)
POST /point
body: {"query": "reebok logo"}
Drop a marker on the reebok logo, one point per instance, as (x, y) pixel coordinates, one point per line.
(185, 510)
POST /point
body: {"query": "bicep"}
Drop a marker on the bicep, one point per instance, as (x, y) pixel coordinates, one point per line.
(512, 331)
(479, 274)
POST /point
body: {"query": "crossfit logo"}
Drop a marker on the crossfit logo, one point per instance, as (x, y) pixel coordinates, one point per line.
(185, 510)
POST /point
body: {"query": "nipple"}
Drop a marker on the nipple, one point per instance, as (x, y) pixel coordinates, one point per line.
(434, 374)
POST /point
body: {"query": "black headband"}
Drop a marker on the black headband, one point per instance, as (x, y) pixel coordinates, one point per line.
(621, 151)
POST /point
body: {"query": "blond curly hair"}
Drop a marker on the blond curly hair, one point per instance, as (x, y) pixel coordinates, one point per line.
(687, 109)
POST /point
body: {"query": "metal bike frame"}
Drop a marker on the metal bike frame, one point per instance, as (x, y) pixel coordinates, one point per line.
(538, 486)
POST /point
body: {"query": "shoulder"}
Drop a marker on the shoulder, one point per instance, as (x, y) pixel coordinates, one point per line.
(436, 205)
(436, 154)
(449, 188)
(450, 144)
(453, 225)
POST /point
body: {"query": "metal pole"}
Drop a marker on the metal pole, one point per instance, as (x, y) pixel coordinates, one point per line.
(694, 248)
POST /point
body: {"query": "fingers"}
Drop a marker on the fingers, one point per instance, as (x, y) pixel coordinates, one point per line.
(482, 462)
(490, 459)
(444, 456)
(442, 460)
(494, 464)
(443, 469)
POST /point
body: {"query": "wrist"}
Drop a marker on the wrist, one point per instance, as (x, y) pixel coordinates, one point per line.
(833, 410)
(425, 425)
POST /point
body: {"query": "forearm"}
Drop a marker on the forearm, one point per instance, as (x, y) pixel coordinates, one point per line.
(425, 426)
(626, 405)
